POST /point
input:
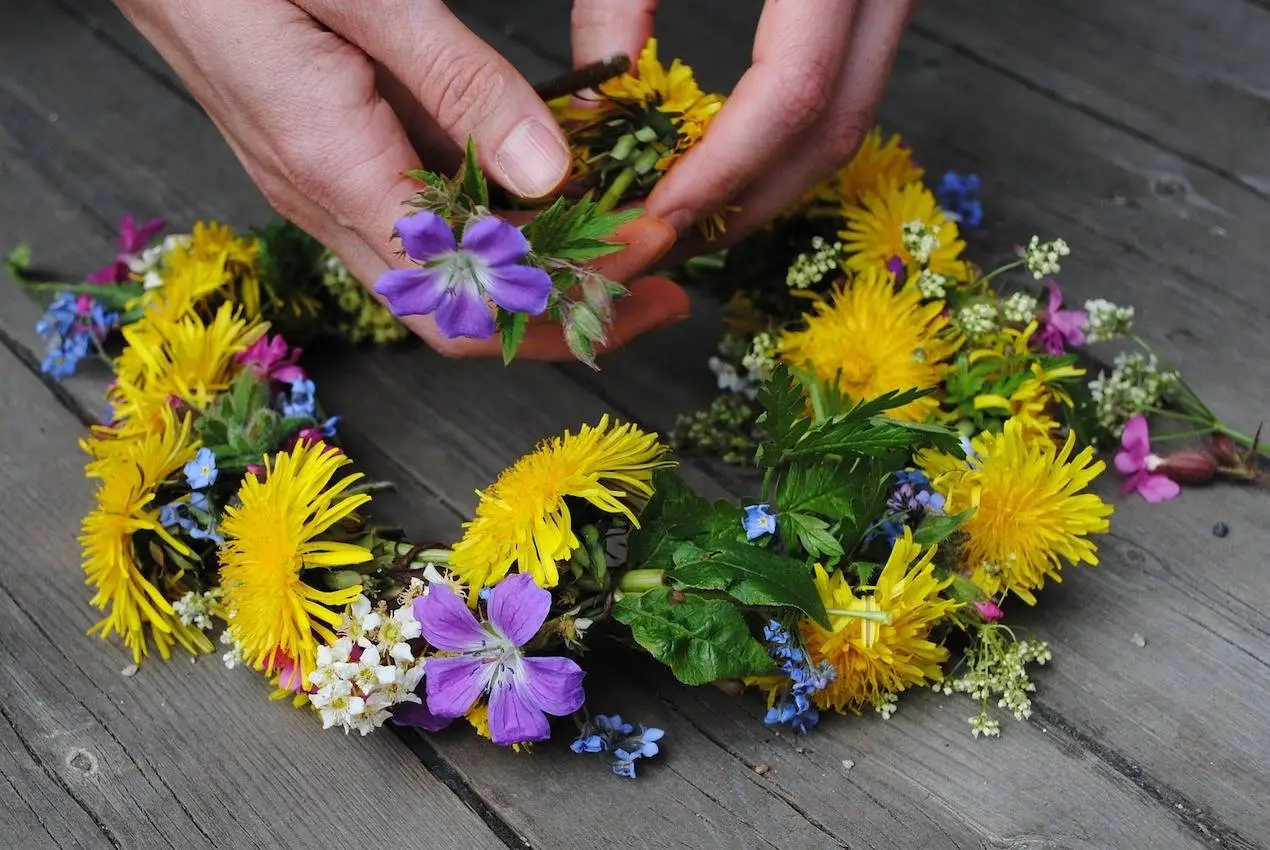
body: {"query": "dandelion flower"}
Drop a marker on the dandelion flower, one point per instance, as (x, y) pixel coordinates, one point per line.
(214, 251)
(875, 230)
(875, 339)
(524, 518)
(1030, 511)
(886, 647)
(272, 537)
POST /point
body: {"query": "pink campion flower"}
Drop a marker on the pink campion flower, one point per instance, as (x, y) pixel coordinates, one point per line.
(1136, 461)
(269, 358)
(1060, 328)
(132, 240)
(289, 678)
(990, 611)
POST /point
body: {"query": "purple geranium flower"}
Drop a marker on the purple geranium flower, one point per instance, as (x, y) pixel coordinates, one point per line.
(454, 280)
(132, 240)
(522, 690)
(1061, 327)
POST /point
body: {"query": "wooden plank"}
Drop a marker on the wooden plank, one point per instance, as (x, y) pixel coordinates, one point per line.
(183, 753)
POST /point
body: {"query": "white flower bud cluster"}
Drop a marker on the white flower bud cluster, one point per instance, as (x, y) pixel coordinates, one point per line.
(234, 656)
(195, 609)
(1106, 321)
(761, 358)
(1042, 258)
(978, 320)
(886, 705)
(1136, 383)
(1019, 308)
(809, 269)
(932, 284)
(920, 240)
(997, 669)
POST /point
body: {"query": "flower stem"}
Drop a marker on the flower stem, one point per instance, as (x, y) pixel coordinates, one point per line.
(1180, 435)
(640, 581)
(615, 191)
(999, 271)
(872, 616)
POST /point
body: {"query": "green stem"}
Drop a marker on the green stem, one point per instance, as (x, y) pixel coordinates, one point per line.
(640, 581)
(1000, 271)
(1180, 435)
(872, 616)
(423, 556)
(613, 196)
(1182, 417)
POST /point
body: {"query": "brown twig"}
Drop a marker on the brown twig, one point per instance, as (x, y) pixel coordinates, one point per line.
(586, 77)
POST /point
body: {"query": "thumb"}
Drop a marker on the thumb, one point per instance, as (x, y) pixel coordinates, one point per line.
(467, 87)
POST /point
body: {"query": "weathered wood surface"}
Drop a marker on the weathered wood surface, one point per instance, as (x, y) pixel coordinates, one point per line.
(1160, 745)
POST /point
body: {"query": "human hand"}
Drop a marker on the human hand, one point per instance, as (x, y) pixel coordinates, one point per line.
(798, 114)
(304, 93)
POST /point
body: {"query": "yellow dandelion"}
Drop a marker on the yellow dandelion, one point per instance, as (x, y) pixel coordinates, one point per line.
(272, 537)
(1032, 403)
(874, 231)
(524, 518)
(1030, 512)
(214, 250)
(880, 642)
(129, 472)
(875, 338)
(879, 160)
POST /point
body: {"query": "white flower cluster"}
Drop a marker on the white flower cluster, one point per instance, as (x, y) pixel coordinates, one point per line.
(886, 705)
(978, 320)
(234, 655)
(195, 609)
(998, 668)
(809, 269)
(919, 240)
(148, 264)
(1136, 383)
(761, 358)
(732, 381)
(1042, 258)
(1106, 321)
(369, 669)
(932, 284)
(1019, 308)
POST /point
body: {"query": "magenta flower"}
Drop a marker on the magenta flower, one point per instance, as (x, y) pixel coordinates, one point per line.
(522, 690)
(990, 611)
(1136, 461)
(453, 280)
(132, 240)
(1061, 327)
(269, 358)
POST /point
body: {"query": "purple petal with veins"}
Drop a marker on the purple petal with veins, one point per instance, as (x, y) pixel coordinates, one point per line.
(520, 289)
(425, 236)
(512, 719)
(495, 241)
(465, 314)
(518, 608)
(414, 292)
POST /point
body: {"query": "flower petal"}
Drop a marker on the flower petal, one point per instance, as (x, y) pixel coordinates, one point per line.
(1136, 439)
(465, 314)
(520, 289)
(518, 607)
(1159, 488)
(446, 623)
(1127, 463)
(495, 241)
(414, 292)
(417, 715)
(425, 235)
(454, 683)
(512, 719)
(552, 684)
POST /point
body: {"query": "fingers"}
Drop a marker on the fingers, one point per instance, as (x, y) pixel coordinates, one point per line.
(464, 84)
(798, 53)
(601, 28)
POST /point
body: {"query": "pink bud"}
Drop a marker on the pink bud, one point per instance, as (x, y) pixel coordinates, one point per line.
(1225, 450)
(1188, 467)
(990, 611)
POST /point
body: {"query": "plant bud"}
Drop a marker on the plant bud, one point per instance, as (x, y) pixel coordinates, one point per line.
(1225, 450)
(1188, 467)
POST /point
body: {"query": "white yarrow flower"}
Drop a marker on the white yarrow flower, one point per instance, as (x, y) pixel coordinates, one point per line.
(1042, 258)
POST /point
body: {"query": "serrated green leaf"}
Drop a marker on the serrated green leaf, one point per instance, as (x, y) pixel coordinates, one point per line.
(849, 439)
(511, 327)
(473, 183)
(819, 487)
(676, 515)
(935, 527)
(866, 571)
(750, 574)
(813, 535)
(783, 417)
(575, 232)
(701, 640)
(890, 400)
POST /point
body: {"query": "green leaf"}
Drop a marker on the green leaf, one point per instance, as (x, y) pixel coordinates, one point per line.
(851, 438)
(890, 400)
(113, 295)
(575, 232)
(701, 640)
(676, 515)
(750, 574)
(474, 185)
(18, 261)
(512, 327)
(820, 487)
(783, 417)
(813, 535)
(867, 571)
(935, 527)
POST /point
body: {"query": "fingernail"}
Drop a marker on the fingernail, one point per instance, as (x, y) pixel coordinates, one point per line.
(532, 159)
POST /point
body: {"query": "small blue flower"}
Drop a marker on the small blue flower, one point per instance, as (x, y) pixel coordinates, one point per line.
(605, 733)
(959, 199)
(301, 404)
(198, 501)
(176, 515)
(758, 521)
(197, 533)
(793, 708)
(59, 317)
(201, 472)
(103, 320)
(64, 355)
(327, 428)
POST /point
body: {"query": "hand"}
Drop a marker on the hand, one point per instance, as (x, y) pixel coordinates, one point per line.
(798, 114)
(304, 93)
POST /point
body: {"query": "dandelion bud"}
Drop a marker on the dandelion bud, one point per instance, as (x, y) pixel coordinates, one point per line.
(1188, 467)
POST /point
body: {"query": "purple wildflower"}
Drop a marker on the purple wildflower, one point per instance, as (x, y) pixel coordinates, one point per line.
(453, 280)
(1061, 327)
(132, 240)
(522, 690)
